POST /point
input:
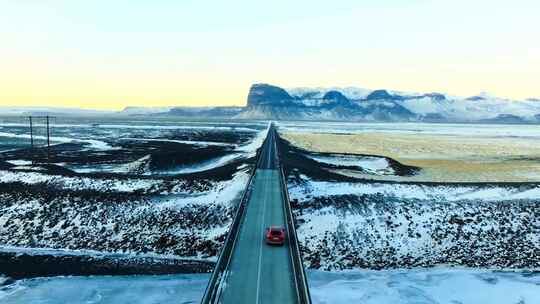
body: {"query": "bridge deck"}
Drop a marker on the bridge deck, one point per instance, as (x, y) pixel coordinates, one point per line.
(260, 273)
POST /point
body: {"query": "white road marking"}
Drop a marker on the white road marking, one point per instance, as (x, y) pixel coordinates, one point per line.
(261, 243)
(269, 152)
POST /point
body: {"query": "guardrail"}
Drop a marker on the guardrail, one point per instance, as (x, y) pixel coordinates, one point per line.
(302, 287)
(219, 275)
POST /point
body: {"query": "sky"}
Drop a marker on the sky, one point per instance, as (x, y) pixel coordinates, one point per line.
(106, 54)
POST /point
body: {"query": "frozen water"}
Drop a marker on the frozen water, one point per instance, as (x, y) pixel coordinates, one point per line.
(107, 289)
(424, 286)
(418, 286)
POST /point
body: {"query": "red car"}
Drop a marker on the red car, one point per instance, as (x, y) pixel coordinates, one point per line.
(275, 235)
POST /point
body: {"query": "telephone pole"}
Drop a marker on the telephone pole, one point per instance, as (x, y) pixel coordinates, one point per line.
(32, 119)
(31, 139)
(48, 141)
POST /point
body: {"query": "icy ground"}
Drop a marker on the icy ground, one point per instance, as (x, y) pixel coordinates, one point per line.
(417, 286)
(424, 286)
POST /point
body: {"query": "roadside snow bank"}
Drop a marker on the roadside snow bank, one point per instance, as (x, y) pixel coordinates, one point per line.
(256, 143)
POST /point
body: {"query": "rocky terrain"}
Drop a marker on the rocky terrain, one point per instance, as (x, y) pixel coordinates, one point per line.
(267, 101)
(122, 203)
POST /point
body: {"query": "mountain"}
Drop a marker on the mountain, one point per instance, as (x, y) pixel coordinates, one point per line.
(268, 95)
(266, 101)
(505, 118)
(144, 110)
(51, 111)
(209, 112)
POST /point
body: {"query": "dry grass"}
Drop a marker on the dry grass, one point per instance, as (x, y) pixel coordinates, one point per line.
(443, 158)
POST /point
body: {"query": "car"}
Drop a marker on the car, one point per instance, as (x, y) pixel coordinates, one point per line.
(275, 235)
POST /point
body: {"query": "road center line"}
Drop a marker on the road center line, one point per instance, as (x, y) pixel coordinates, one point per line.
(261, 242)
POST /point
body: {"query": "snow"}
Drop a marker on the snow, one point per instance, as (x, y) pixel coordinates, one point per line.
(188, 142)
(223, 192)
(462, 110)
(429, 286)
(79, 183)
(416, 191)
(177, 127)
(56, 252)
(371, 164)
(92, 143)
(318, 92)
(389, 225)
(182, 288)
(484, 130)
(454, 108)
(256, 143)
(20, 162)
(404, 286)
(202, 166)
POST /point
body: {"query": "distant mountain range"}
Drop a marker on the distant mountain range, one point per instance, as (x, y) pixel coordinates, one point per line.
(356, 104)
(267, 101)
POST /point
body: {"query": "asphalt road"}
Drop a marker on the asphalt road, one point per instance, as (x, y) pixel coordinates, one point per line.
(260, 273)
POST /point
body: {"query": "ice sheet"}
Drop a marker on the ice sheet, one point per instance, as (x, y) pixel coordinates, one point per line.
(425, 286)
(186, 288)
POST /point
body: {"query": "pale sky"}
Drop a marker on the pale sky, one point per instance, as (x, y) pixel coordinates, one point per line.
(109, 54)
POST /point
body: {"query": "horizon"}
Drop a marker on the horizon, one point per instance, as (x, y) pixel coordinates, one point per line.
(100, 55)
(243, 105)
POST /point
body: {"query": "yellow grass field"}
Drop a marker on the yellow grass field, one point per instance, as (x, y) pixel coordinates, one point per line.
(443, 158)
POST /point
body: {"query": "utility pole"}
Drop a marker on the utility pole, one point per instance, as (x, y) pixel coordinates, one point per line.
(31, 139)
(48, 142)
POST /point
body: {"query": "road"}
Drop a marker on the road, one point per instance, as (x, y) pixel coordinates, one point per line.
(260, 273)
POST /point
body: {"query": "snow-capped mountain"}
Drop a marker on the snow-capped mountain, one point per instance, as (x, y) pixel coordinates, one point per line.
(271, 102)
(267, 101)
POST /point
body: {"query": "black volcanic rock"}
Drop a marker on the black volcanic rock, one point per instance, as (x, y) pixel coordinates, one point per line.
(265, 94)
(5, 165)
(379, 94)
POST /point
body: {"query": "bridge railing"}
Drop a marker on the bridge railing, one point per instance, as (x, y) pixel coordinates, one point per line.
(219, 275)
(302, 287)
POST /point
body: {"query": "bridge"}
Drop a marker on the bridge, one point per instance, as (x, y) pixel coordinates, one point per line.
(248, 270)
